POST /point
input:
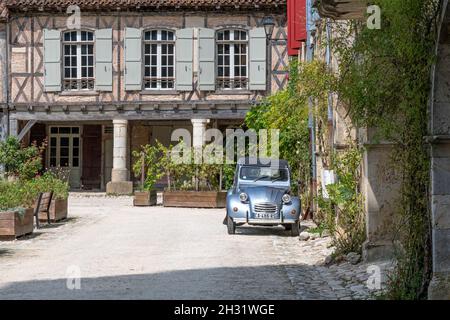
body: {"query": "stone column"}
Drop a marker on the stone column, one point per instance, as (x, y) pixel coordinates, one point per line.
(440, 211)
(198, 137)
(119, 177)
(198, 131)
(381, 189)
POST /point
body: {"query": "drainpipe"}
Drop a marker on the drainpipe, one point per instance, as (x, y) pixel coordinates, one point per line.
(330, 96)
(310, 28)
(8, 80)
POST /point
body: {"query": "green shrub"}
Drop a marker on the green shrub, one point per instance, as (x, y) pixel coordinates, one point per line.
(148, 159)
(15, 195)
(20, 162)
(48, 182)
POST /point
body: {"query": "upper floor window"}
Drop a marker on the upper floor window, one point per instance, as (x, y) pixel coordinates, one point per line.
(232, 66)
(159, 59)
(78, 51)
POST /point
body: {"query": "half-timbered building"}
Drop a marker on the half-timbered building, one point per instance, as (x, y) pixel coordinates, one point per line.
(130, 73)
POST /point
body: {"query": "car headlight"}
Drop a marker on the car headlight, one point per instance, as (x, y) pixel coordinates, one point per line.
(286, 198)
(243, 196)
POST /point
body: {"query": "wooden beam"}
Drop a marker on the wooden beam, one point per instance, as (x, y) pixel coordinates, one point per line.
(25, 129)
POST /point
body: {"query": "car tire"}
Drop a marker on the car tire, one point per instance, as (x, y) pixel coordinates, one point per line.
(287, 227)
(295, 229)
(231, 226)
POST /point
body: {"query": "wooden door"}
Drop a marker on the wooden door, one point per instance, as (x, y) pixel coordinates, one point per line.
(92, 157)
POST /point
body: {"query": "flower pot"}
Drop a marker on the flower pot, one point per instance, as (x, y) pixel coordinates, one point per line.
(195, 199)
(145, 198)
(58, 211)
(13, 224)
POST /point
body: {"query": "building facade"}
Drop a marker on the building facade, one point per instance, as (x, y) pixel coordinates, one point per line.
(130, 73)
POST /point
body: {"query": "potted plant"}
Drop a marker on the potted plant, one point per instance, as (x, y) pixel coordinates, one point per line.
(148, 168)
(16, 212)
(49, 182)
(190, 184)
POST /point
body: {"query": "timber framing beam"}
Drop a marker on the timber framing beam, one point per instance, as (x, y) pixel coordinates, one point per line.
(133, 110)
(25, 129)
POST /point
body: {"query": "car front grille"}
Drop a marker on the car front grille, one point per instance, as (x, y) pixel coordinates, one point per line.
(265, 207)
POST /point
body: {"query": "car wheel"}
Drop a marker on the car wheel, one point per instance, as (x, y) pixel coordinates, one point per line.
(295, 229)
(231, 226)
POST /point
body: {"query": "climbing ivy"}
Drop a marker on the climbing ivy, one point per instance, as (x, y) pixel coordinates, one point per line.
(384, 81)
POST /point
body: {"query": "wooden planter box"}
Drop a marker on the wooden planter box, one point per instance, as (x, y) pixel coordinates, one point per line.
(195, 199)
(145, 198)
(58, 211)
(13, 224)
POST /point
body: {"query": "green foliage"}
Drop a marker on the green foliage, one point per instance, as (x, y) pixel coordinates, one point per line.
(188, 175)
(287, 110)
(48, 182)
(342, 212)
(147, 159)
(384, 80)
(14, 195)
(23, 163)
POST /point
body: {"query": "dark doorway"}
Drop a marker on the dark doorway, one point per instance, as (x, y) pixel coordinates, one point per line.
(92, 157)
(38, 135)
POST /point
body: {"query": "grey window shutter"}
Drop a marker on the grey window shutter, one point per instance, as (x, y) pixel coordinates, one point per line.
(103, 60)
(258, 59)
(184, 56)
(133, 59)
(206, 59)
(52, 60)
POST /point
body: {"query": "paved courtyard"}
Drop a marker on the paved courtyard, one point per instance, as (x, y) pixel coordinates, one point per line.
(124, 252)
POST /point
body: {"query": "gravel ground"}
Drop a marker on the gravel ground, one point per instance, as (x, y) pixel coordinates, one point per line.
(125, 252)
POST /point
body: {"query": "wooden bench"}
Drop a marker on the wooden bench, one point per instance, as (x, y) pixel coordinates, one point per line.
(43, 205)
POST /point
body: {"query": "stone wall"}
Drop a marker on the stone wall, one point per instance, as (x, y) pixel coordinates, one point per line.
(440, 167)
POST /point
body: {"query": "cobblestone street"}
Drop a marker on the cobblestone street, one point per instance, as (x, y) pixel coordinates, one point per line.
(124, 252)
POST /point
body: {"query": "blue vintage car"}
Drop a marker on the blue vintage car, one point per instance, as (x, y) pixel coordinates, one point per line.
(261, 196)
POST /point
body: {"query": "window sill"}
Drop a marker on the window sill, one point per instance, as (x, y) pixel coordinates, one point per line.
(232, 92)
(159, 92)
(79, 93)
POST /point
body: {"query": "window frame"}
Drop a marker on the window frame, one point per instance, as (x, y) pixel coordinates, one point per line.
(79, 42)
(159, 55)
(232, 78)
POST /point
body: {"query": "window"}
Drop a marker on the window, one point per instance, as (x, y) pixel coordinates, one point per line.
(159, 56)
(65, 147)
(232, 70)
(78, 49)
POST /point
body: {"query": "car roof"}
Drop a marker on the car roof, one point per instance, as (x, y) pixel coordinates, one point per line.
(262, 162)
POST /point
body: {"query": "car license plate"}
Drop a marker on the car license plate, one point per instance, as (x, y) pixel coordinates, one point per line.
(264, 215)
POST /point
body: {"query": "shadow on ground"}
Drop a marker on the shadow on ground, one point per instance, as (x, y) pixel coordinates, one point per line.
(235, 283)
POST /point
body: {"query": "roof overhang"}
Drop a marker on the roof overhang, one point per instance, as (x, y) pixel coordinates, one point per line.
(341, 9)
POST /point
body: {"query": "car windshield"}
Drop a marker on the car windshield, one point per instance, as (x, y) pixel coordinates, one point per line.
(255, 173)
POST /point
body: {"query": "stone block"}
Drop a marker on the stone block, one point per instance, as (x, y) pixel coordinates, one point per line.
(441, 149)
(441, 211)
(439, 288)
(118, 175)
(119, 188)
(440, 176)
(441, 118)
(441, 250)
(378, 251)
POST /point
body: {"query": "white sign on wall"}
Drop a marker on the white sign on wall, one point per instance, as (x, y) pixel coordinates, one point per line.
(327, 179)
